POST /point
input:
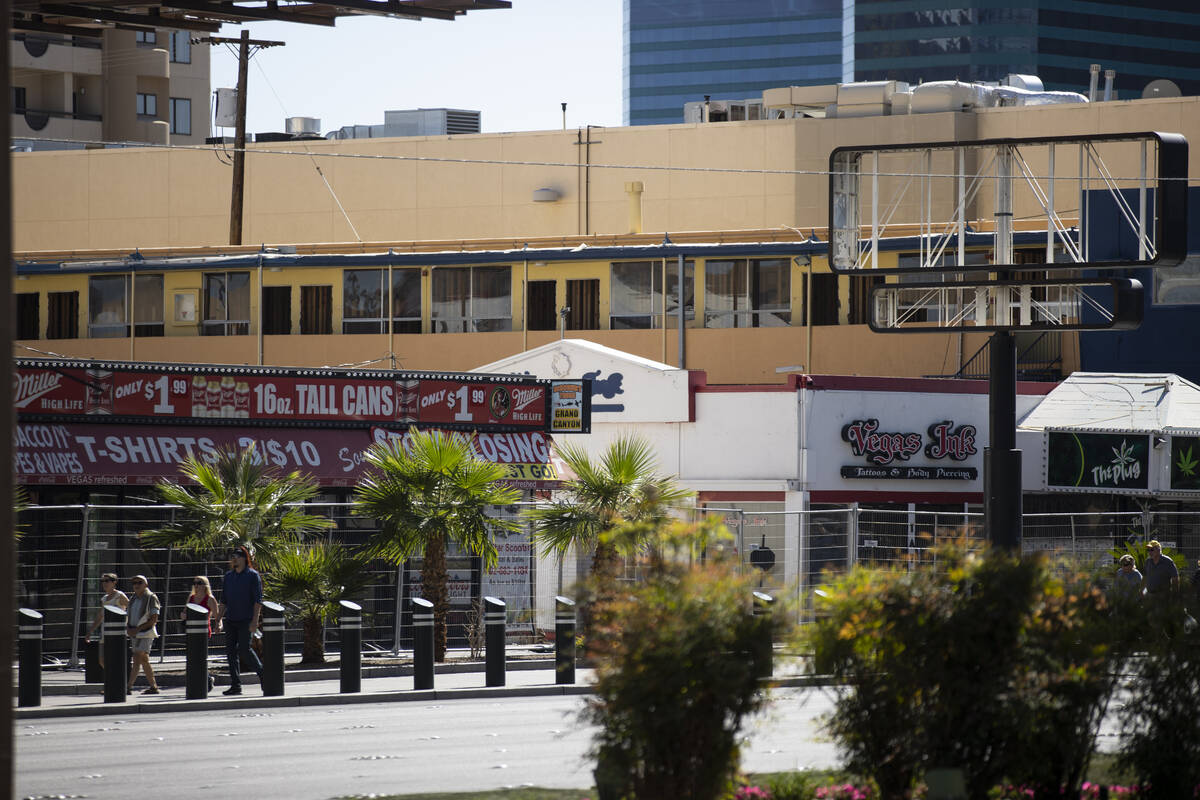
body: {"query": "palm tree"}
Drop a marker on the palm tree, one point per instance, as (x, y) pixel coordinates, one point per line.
(610, 506)
(425, 490)
(237, 500)
(315, 580)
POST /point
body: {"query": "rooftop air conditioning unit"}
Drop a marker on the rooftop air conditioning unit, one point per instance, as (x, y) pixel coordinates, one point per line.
(302, 125)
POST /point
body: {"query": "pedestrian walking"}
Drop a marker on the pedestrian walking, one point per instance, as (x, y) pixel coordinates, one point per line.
(241, 607)
(1161, 574)
(202, 596)
(1129, 579)
(142, 621)
(112, 596)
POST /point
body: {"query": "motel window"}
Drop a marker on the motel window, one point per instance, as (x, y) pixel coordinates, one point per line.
(147, 105)
(365, 302)
(107, 307)
(747, 293)
(109, 303)
(181, 116)
(636, 291)
(63, 315)
(406, 301)
(277, 310)
(316, 310)
(226, 304)
(181, 47)
(27, 315)
(467, 299)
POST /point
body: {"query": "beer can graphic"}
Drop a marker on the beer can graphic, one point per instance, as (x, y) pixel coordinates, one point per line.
(99, 392)
(228, 390)
(407, 401)
(241, 400)
(199, 395)
(212, 397)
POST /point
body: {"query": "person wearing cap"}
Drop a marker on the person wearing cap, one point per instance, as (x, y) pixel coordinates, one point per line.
(1129, 579)
(1161, 573)
(143, 616)
(112, 597)
(241, 605)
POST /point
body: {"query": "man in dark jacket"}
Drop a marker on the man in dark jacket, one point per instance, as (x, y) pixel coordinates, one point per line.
(241, 605)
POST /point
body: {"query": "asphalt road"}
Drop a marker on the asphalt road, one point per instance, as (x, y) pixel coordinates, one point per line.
(331, 751)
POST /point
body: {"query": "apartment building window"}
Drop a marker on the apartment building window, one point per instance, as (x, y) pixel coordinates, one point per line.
(316, 310)
(20, 99)
(145, 38)
(63, 315)
(636, 294)
(27, 315)
(109, 303)
(147, 105)
(747, 293)
(181, 47)
(226, 304)
(471, 299)
(181, 116)
(406, 301)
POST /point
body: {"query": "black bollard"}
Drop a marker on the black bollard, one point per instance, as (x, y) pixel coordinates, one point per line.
(29, 660)
(116, 654)
(196, 636)
(422, 617)
(564, 640)
(764, 654)
(271, 624)
(495, 620)
(351, 659)
(92, 671)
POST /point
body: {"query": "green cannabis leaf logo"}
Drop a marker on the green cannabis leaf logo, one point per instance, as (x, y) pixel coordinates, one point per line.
(1124, 455)
(1186, 463)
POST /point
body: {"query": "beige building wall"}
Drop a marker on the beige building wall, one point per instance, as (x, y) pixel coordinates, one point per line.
(400, 189)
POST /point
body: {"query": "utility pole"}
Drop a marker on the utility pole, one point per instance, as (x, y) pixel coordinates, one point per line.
(239, 141)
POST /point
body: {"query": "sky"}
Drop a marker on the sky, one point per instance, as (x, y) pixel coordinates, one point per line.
(516, 66)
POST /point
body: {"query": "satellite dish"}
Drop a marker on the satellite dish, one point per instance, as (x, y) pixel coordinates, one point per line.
(1161, 88)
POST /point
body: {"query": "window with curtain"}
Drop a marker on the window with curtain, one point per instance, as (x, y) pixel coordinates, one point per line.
(148, 305)
(636, 295)
(747, 293)
(27, 315)
(316, 310)
(226, 304)
(469, 299)
(108, 315)
(63, 315)
(406, 300)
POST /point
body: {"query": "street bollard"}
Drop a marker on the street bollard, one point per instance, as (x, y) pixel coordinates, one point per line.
(271, 625)
(196, 636)
(422, 620)
(29, 659)
(564, 640)
(764, 654)
(495, 621)
(92, 671)
(351, 658)
(116, 654)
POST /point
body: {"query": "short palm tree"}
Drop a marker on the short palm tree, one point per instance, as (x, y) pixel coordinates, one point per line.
(609, 506)
(237, 500)
(314, 580)
(425, 490)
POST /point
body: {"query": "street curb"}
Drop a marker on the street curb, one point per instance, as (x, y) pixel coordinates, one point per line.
(334, 699)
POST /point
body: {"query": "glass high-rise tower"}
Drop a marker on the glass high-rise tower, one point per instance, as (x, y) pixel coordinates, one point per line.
(680, 50)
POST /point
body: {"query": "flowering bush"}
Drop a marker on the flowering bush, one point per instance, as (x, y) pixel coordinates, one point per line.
(751, 793)
(845, 791)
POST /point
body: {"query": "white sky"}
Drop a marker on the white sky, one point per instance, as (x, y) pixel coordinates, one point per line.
(514, 65)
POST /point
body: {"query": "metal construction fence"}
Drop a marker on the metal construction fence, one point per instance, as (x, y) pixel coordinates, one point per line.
(63, 550)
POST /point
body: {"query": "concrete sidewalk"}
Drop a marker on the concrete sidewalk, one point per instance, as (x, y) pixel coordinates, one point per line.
(64, 694)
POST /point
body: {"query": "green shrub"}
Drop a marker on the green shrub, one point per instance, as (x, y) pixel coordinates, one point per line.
(677, 675)
(994, 664)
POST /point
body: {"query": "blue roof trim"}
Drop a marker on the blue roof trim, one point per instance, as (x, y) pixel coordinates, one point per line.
(139, 263)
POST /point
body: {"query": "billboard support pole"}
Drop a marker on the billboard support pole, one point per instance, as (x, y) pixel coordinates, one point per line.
(1001, 460)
